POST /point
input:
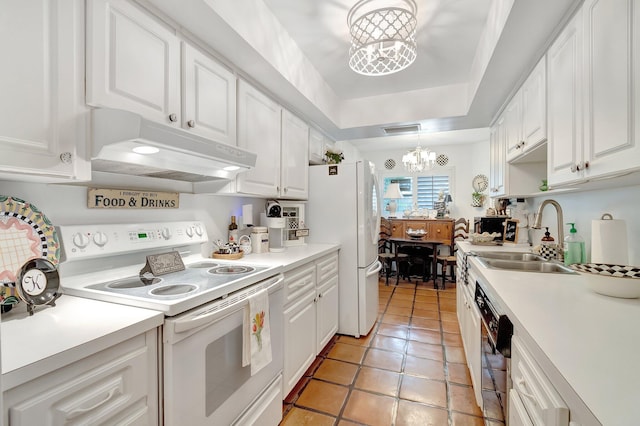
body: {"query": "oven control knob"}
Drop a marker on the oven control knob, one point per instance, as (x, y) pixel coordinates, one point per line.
(198, 230)
(166, 233)
(100, 238)
(80, 240)
(189, 231)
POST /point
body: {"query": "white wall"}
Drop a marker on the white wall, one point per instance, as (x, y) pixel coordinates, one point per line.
(465, 161)
(67, 205)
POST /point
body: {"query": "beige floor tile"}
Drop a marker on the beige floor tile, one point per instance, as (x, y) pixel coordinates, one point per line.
(492, 407)
(325, 397)
(410, 291)
(415, 414)
(459, 419)
(402, 296)
(427, 368)
(360, 341)
(399, 310)
(425, 336)
(348, 353)
(455, 354)
(448, 316)
(348, 423)
(393, 344)
(384, 359)
(399, 331)
(450, 339)
(425, 350)
(338, 372)
(301, 417)
(422, 314)
(458, 373)
(395, 319)
(402, 303)
(450, 327)
(427, 391)
(424, 323)
(424, 309)
(378, 381)
(370, 409)
(463, 400)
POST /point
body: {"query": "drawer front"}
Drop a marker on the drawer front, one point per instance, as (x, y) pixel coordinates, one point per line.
(327, 267)
(298, 282)
(441, 231)
(541, 400)
(110, 387)
(397, 229)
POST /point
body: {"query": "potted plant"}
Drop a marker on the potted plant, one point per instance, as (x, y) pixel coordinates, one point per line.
(333, 156)
(477, 199)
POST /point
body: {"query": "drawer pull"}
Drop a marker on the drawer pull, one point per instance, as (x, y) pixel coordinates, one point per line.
(78, 411)
(522, 386)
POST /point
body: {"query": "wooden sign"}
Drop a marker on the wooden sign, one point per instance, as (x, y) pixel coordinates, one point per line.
(163, 263)
(510, 231)
(99, 198)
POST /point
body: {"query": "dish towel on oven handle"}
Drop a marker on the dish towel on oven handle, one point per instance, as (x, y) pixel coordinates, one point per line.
(256, 332)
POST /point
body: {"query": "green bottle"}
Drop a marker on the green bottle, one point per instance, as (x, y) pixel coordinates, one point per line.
(574, 251)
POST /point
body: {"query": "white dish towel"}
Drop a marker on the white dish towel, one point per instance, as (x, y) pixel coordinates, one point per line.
(256, 332)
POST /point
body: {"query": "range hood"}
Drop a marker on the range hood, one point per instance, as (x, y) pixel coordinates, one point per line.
(119, 137)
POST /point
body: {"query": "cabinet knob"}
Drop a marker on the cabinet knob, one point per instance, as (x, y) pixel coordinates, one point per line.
(173, 118)
(286, 189)
(574, 168)
(191, 123)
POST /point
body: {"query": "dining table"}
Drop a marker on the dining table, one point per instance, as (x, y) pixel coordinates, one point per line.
(398, 243)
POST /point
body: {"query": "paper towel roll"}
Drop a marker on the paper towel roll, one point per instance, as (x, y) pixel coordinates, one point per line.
(609, 241)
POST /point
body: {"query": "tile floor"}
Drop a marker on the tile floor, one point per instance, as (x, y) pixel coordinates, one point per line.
(410, 370)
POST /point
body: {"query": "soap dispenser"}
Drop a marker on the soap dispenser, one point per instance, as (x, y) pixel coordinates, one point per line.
(574, 251)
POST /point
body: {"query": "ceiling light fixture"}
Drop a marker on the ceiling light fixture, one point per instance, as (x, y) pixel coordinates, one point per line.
(419, 160)
(383, 36)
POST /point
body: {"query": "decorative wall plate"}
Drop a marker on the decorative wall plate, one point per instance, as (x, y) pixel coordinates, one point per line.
(25, 233)
(38, 283)
(480, 183)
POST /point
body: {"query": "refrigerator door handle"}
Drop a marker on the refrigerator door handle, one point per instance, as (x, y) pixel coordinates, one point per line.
(374, 269)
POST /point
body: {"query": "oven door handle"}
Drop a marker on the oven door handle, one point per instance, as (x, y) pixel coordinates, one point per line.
(190, 322)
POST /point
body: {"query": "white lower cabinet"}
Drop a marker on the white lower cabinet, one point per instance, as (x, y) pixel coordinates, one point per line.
(469, 321)
(310, 315)
(118, 385)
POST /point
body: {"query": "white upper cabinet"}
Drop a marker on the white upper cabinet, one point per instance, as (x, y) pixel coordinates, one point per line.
(133, 61)
(594, 94)
(525, 116)
(295, 157)
(611, 42)
(317, 146)
(281, 141)
(259, 131)
(497, 176)
(208, 97)
(564, 104)
(43, 118)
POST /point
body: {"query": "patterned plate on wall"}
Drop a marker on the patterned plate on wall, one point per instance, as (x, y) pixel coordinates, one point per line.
(25, 233)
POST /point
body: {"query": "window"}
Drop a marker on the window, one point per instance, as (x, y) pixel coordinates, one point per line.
(420, 191)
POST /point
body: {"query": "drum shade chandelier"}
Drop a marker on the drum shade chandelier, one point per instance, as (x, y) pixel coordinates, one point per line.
(419, 160)
(383, 36)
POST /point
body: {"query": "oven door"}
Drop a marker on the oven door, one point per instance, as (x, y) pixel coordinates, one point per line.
(204, 380)
(495, 379)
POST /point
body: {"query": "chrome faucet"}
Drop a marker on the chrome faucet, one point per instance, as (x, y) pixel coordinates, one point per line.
(537, 224)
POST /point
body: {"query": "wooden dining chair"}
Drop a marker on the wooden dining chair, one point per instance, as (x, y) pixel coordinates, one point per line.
(460, 232)
(386, 252)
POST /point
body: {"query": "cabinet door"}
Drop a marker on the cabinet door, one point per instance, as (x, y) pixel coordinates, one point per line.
(497, 159)
(133, 61)
(208, 97)
(316, 147)
(43, 118)
(564, 108)
(397, 229)
(513, 126)
(299, 339)
(295, 157)
(611, 141)
(517, 412)
(259, 131)
(327, 312)
(441, 231)
(534, 107)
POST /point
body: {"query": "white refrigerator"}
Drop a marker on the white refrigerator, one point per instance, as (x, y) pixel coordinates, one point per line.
(344, 208)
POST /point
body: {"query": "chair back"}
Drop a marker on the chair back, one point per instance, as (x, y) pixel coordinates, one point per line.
(460, 229)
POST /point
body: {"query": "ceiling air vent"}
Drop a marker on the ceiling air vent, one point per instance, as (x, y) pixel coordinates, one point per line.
(395, 130)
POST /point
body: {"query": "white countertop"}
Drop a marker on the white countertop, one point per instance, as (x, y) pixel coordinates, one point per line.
(291, 257)
(55, 336)
(591, 339)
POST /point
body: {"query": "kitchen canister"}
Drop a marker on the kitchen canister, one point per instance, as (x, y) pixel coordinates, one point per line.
(609, 241)
(260, 239)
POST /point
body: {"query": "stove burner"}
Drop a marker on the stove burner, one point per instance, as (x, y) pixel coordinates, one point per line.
(203, 264)
(133, 282)
(172, 290)
(231, 270)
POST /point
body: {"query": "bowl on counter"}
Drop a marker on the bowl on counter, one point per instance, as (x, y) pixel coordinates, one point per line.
(611, 280)
(416, 234)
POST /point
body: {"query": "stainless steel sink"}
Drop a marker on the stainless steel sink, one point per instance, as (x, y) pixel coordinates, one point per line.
(526, 266)
(503, 255)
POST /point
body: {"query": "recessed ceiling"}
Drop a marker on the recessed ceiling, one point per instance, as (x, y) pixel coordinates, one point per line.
(472, 54)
